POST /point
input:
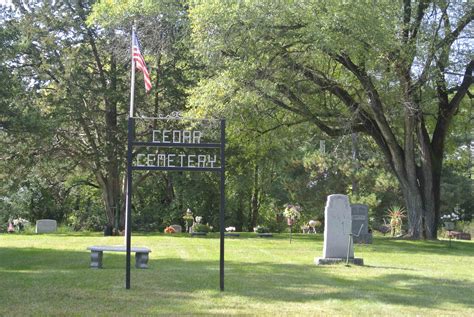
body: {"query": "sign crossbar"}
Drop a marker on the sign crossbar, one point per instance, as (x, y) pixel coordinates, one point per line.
(183, 145)
(170, 168)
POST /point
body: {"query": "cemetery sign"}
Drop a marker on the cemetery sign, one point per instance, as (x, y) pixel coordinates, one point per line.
(174, 143)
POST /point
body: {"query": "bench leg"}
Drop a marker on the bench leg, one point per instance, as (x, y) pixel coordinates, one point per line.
(141, 260)
(96, 259)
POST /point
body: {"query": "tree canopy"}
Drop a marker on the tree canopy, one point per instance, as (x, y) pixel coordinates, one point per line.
(397, 73)
(384, 85)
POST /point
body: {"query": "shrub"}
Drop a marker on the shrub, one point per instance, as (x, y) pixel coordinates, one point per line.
(199, 227)
(261, 229)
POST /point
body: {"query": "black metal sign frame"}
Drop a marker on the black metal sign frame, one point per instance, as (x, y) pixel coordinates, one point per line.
(130, 168)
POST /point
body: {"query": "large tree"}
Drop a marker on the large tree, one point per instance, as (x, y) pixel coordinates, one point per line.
(74, 82)
(395, 70)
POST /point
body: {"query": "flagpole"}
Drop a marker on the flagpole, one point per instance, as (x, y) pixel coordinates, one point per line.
(132, 80)
(128, 202)
(132, 100)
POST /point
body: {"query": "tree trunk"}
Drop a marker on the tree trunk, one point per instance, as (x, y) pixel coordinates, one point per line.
(239, 215)
(355, 164)
(254, 204)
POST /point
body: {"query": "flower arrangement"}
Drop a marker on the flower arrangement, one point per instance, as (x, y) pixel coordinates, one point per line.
(452, 217)
(292, 212)
(230, 229)
(314, 223)
(311, 226)
(19, 223)
(188, 219)
(449, 220)
(169, 230)
(188, 216)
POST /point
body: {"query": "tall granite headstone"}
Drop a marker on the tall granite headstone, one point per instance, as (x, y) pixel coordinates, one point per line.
(360, 224)
(46, 226)
(337, 231)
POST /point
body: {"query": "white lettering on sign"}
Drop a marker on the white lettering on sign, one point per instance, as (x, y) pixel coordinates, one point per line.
(150, 159)
(176, 160)
(201, 160)
(140, 159)
(191, 160)
(212, 161)
(172, 137)
(177, 136)
(171, 160)
(181, 158)
(197, 136)
(166, 136)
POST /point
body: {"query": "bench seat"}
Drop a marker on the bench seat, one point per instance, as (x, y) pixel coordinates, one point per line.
(141, 254)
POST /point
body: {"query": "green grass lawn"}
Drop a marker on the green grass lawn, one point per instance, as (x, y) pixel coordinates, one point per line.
(49, 275)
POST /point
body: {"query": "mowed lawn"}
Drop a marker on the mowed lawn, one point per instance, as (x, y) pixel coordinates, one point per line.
(45, 275)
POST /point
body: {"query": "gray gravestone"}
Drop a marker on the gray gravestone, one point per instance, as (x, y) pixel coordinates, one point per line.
(177, 228)
(337, 230)
(46, 226)
(360, 222)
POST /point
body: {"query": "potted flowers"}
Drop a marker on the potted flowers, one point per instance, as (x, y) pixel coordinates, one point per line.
(396, 214)
(230, 232)
(199, 229)
(449, 220)
(292, 213)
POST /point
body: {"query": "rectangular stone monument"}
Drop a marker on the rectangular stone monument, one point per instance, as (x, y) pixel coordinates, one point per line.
(46, 226)
(360, 222)
(337, 231)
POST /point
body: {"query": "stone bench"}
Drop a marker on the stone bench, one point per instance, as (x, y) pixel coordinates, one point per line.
(141, 255)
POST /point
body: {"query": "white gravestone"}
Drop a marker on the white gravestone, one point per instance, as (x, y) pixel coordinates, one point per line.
(46, 226)
(337, 226)
(337, 230)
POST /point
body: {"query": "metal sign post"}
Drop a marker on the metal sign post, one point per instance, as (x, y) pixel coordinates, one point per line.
(222, 205)
(169, 141)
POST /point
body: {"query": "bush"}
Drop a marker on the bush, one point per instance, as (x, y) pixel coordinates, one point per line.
(199, 227)
(261, 229)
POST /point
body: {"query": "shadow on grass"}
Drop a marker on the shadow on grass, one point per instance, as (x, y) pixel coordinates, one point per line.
(435, 247)
(46, 275)
(269, 282)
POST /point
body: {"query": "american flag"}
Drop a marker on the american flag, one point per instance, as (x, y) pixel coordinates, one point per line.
(140, 62)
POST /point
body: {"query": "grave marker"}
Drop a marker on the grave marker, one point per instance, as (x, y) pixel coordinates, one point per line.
(46, 226)
(360, 218)
(337, 231)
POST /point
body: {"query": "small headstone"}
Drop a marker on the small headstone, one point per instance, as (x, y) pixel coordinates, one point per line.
(177, 228)
(360, 222)
(46, 226)
(337, 230)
